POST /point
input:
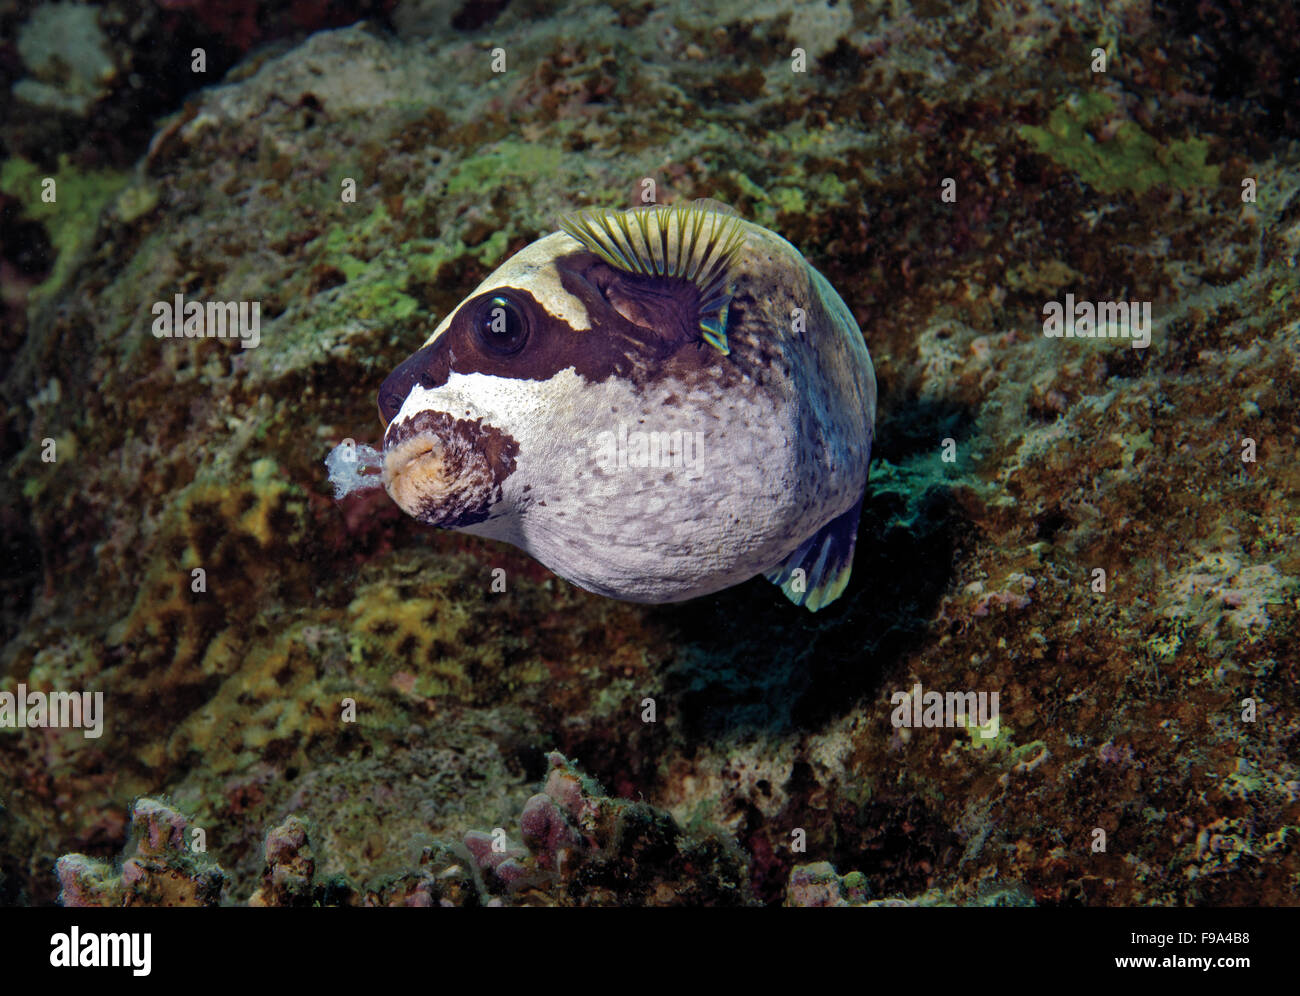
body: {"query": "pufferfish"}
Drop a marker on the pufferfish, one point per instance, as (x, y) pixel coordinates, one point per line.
(656, 404)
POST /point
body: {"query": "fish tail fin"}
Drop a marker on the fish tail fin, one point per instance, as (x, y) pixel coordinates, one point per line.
(818, 571)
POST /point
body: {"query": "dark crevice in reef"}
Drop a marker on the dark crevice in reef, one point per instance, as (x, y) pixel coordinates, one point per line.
(20, 548)
(898, 850)
(1241, 52)
(476, 14)
(908, 426)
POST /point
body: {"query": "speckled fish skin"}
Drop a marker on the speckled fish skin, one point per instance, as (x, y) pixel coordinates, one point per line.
(504, 445)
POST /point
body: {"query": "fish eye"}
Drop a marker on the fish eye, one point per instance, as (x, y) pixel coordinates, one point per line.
(501, 325)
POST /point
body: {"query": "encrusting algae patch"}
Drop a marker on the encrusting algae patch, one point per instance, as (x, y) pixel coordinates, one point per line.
(1089, 135)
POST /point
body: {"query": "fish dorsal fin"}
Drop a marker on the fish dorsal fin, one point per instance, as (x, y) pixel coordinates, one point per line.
(698, 242)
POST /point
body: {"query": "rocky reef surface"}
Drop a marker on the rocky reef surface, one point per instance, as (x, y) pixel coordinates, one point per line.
(351, 712)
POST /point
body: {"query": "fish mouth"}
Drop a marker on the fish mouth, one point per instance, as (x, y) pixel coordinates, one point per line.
(419, 477)
(444, 471)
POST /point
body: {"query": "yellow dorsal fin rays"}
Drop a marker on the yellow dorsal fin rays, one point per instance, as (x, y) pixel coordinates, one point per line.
(696, 242)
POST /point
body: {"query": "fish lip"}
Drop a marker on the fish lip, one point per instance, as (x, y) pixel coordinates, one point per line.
(406, 461)
(392, 469)
(446, 471)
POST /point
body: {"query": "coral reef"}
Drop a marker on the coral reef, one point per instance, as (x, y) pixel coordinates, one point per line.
(290, 867)
(164, 868)
(819, 884)
(583, 848)
(362, 689)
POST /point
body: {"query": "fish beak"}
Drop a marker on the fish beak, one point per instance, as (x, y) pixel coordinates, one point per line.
(437, 471)
(415, 474)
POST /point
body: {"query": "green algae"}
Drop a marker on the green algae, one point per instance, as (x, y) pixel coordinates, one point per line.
(493, 248)
(505, 161)
(1130, 160)
(79, 195)
(1001, 742)
(794, 193)
(379, 268)
(789, 199)
(374, 289)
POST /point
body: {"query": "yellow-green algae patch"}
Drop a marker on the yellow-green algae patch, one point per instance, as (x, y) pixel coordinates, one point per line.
(220, 527)
(278, 700)
(415, 634)
(505, 161)
(80, 196)
(1130, 159)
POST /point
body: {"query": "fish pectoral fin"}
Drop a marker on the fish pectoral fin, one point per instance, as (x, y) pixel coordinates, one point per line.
(818, 571)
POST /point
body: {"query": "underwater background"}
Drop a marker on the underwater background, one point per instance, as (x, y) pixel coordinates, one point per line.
(952, 168)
